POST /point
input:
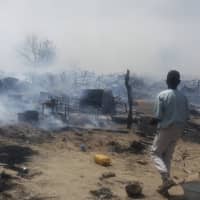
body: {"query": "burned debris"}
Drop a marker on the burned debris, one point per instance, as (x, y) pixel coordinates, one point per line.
(49, 98)
(36, 109)
(136, 147)
(101, 100)
(102, 193)
(30, 116)
(134, 189)
(47, 101)
(58, 106)
(39, 99)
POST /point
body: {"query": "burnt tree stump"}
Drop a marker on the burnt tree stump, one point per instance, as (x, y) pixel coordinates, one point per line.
(130, 101)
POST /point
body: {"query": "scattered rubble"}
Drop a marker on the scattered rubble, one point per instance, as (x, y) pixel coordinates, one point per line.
(134, 147)
(137, 147)
(103, 193)
(83, 148)
(23, 171)
(142, 162)
(134, 189)
(115, 146)
(25, 133)
(107, 175)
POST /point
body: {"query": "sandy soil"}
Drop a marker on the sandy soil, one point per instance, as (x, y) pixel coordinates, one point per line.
(60, 170)
(63, 172)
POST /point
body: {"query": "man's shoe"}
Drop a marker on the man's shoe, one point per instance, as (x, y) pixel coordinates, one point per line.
(163, 189)
(163, 192)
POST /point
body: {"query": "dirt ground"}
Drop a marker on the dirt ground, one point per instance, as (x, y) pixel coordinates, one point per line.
(61, 166)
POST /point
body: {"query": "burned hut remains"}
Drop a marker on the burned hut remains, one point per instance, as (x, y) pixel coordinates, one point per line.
(30, 116)
(99, 99)
(58, 106)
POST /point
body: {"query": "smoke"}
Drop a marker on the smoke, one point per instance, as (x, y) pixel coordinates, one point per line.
(94, 38)
(7, 115)
(32, 91)
(149, 37)
(29, 92)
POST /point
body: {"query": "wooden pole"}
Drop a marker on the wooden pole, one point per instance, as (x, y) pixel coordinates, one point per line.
(130, 99)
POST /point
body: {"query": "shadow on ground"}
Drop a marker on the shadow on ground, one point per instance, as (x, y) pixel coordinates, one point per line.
(176, 198)
(12, 156)
(15, 154)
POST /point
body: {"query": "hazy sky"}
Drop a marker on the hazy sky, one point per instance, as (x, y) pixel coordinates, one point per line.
(147, 36)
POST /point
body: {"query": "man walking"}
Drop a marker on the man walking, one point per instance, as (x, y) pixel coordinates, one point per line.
(171, 114)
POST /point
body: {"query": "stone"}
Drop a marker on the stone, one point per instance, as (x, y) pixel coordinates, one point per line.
(102, 193)
(107, 175)
(142, 162)
(134, 189)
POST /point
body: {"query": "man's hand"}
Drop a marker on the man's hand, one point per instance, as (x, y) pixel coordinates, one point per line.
(154, 121)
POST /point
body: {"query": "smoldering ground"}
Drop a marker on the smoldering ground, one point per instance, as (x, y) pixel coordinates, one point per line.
(36, 92)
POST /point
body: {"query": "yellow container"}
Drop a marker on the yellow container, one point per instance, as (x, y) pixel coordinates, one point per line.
(102, 160)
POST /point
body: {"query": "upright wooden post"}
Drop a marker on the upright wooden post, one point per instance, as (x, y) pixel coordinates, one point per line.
(130, 100)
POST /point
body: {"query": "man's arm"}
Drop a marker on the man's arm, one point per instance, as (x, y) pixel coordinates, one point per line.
(158, 111)
(154, 121)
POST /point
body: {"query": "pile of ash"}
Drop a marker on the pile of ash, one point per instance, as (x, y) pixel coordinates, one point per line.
(25, 133)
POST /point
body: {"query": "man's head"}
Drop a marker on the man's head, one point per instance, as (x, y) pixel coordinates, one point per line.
(173, 79)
